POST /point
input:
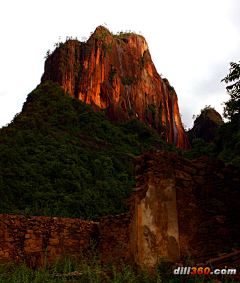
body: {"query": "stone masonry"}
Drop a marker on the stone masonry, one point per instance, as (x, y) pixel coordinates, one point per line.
(30, 238)
(114, 234)
(204, 192)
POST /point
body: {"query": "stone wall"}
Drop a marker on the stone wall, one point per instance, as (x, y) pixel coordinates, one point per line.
(208, 207)
(114, 233)
(27, 237)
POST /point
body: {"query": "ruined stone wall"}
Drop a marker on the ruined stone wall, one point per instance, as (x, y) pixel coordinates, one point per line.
(208, 199)
(27, 237)
(114, 235)
(208, 205)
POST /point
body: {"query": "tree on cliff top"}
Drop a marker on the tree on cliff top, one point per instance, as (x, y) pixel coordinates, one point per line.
(232, 106)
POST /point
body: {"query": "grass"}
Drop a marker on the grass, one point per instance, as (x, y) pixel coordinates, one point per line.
(89, 268)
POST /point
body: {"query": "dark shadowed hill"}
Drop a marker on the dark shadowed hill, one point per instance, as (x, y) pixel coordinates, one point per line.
(205, 125)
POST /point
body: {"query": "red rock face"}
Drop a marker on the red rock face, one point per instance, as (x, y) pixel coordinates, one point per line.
(117, 73)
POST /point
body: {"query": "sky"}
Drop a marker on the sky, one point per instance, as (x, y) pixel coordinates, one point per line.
(191, 42)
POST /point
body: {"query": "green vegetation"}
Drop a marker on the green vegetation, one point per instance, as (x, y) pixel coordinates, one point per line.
(60, 158)
(119, 37)
(200, 148)
(227, 143)
(131, 112)
(122, 37)
(143, 60)
(89, 268)
(226, 146)
(151, 109)
(129, 80)
(124, 34)
(112, 74)
(106, 47)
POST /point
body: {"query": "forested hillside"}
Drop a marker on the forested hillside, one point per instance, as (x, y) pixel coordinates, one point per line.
(60, 158)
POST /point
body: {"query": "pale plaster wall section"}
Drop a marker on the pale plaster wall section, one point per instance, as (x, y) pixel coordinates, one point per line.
(154, 229)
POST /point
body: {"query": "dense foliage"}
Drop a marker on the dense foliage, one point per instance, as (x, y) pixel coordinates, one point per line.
(60, 158)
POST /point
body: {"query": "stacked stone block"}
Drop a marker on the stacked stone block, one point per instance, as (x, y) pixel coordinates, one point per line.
(114, 236)
(34, 238)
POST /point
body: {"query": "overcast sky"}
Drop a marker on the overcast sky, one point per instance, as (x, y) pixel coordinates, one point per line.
(191, 43)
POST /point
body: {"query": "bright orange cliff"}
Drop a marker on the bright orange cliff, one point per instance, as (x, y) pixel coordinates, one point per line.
(115, 72)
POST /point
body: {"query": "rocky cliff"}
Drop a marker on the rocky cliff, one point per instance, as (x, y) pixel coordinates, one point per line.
(115, 74)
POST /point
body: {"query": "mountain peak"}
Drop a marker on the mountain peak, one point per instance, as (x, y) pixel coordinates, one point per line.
(115, 73)
(206, 125)
(101, 29)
